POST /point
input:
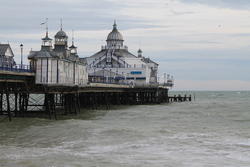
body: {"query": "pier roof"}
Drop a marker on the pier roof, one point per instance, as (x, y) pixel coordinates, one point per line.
(117, 52)
(39, 54)
(3, 48)
(148, 60)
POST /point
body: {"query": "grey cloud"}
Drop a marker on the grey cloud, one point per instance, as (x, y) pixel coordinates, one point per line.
(181, 13)
(200, 42)
(238, 4)
(26, 15)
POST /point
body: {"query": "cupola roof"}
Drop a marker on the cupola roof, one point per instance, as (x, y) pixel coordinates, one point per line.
(115, 34)
(61, 34)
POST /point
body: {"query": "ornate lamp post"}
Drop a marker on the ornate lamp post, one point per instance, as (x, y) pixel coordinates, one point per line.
(21, 46)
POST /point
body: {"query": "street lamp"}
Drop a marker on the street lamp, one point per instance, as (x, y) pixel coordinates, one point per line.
(21, 46)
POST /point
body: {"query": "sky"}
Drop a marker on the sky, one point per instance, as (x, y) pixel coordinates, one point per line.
(204, 44)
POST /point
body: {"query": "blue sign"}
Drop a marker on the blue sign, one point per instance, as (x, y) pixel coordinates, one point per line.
(135, 72)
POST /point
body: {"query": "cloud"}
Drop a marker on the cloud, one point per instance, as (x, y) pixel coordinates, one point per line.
(235, 4)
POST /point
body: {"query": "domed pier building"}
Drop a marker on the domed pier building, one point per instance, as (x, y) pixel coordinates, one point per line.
(58, 65)
(114, 63)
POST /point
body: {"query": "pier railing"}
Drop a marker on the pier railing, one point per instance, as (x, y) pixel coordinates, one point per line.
(17, 68)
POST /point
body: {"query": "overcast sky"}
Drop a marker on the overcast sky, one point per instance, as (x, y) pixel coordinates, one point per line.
(205, 44)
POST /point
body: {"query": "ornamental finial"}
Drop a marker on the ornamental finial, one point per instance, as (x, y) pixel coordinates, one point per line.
(61, 24)
(114, 26)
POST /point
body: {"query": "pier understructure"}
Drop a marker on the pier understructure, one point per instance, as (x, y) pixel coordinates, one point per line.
(21, 97)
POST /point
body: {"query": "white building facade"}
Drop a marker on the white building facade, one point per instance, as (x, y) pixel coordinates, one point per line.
(59, 65)
(115, 63)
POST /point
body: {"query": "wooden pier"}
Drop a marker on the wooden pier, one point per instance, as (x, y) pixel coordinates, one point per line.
(180, 98)
(21, 97)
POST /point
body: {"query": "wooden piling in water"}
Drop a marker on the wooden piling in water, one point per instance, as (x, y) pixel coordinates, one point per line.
(8, 105)
(16, 109)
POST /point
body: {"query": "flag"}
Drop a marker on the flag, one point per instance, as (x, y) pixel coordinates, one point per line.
(44, 22)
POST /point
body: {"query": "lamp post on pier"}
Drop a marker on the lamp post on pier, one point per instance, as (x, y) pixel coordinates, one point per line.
(21, 46)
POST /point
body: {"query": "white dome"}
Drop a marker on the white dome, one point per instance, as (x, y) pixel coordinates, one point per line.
(115, 35)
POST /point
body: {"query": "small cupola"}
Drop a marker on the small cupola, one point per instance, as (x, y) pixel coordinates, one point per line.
(139, 53)
(46, 41)
(73, 48)
(61, 40)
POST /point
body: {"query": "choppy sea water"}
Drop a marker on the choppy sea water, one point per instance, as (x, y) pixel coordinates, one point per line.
(214, 130)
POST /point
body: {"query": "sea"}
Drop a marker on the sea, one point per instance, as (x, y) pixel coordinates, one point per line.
(211, 131)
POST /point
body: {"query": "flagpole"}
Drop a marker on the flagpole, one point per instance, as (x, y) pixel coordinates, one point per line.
(46, 28)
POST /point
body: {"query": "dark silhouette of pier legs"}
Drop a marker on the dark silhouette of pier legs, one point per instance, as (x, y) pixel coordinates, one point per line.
(17, 100)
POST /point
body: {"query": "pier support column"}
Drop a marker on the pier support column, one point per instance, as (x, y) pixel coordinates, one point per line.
(26, 102)
(1, 103)
(66, 107)
(78, 102)
(75, 103)
(50, 106)
(8, 105)
(47, 105)
(94, 99)
(53, 105)
(16, 109)
(135, 98)
(167, 98)
(118, 98)
(107, 101)
(23, 104)
(20, 104)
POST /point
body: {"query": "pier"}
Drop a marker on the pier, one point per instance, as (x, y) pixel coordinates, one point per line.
(180, 98)
(21, 97)
(59, 82)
